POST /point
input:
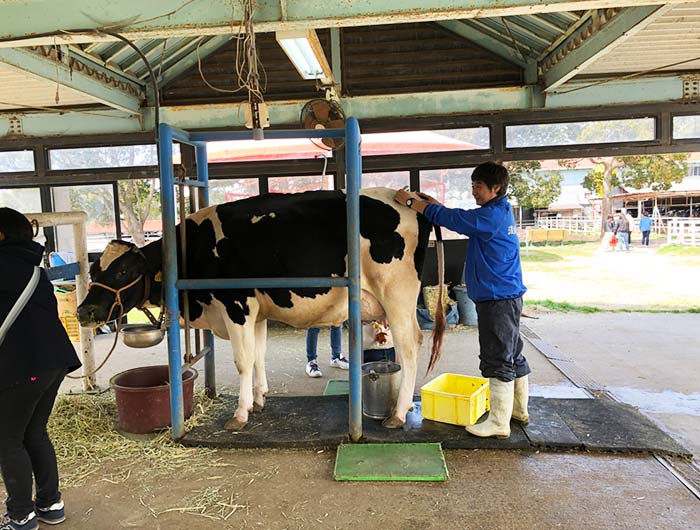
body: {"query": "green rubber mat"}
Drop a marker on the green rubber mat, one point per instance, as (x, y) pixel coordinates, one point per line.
(391, 462)
(337, 387)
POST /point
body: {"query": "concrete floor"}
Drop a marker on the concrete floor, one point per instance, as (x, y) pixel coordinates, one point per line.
(649, 360)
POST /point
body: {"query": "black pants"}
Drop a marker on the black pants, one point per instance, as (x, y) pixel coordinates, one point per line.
(25, 447)
(500, 345)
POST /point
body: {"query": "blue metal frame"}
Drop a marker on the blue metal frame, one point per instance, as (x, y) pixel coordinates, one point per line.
(171, 284)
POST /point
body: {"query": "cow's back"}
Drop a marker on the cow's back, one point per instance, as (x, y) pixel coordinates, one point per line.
(303, 235)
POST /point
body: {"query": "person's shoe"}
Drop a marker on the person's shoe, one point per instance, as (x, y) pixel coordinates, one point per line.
(520, 400)
(54, 514)
(340, 362)
(498, 423)
(312, 369)
(30, 522)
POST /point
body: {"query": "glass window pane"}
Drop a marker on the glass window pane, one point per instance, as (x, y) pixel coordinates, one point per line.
(139, 206)
(395, 180)
(425, 141)
(232, 190)
(25, 200)
(11, 161)
(265, 150)
(686, 127)
(299, 184)
(452, 187)
(588, 132)
(98, 203)
(109, 156)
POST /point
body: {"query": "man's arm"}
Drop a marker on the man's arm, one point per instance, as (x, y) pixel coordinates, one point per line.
(458, 220)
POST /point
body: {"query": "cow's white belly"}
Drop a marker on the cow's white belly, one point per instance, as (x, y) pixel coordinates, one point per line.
(322, 311)
(212, 318)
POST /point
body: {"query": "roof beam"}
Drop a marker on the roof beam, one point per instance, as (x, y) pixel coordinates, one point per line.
(485, 41)
(91, 80)
(606, 30)
(173, 18)
(285, 114)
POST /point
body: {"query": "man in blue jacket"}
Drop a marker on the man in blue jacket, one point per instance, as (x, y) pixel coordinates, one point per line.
(493, 276)
(645, 228)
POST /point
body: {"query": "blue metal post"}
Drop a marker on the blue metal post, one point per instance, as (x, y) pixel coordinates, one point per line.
(172, 308)
(353, 162)
(210, 359)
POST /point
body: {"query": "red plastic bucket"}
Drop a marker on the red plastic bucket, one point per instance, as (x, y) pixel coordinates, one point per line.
(143, 397)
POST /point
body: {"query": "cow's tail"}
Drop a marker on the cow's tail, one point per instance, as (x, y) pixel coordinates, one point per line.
(439, 323)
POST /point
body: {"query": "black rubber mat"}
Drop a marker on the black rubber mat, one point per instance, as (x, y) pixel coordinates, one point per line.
(555, 424)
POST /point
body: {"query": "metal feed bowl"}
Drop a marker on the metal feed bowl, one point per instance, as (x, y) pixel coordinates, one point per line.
(142, 335)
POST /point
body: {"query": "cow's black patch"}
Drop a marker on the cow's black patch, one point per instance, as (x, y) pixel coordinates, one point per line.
(378, 223)
(204, 263)
(424, 228)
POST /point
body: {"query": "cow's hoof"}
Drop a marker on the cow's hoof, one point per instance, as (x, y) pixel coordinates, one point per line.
(258, 407)
(234, 424)
(393, 422)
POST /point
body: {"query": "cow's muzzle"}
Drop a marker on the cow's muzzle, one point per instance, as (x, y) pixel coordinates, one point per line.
(89, 315)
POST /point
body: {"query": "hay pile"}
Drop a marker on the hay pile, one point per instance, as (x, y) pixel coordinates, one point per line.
(430, 299)
(85, 438)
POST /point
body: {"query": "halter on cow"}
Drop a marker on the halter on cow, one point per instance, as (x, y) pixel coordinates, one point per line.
(282, 235)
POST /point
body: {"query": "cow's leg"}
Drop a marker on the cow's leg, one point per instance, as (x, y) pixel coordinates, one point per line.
(407, 341)
(260, 383)
(243, 343)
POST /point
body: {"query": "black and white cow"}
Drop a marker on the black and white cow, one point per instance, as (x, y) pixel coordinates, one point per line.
(282, 235)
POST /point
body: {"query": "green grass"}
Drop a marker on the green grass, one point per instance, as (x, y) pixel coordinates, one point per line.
(566, 307)
(139, 317)
(538, 256)
(679, 250)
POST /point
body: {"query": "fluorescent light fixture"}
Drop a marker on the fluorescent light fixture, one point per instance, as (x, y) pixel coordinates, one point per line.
(304, 50)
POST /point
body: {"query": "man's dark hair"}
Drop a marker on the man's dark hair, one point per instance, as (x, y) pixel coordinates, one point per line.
(15, 226)
(491, 174)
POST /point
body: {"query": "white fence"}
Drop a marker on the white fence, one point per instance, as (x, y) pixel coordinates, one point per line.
(579, 225)
(683, 231)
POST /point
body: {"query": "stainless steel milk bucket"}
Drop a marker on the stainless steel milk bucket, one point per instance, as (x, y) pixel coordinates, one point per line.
(380, 388)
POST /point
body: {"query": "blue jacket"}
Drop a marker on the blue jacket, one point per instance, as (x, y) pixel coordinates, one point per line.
(644, 224)
(492, 271)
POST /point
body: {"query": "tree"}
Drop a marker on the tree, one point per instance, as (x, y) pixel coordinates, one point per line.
(138, 199)
(658, 172)
(531, 187)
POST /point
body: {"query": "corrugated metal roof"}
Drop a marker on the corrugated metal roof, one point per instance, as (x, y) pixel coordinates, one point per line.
(161, 53)
(532, 35)
(20, 91)
(674, 37)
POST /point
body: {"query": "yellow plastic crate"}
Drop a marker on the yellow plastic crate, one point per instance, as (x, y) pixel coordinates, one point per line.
(456, 399)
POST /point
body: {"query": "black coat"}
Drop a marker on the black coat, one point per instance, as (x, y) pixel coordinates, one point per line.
(37, 341)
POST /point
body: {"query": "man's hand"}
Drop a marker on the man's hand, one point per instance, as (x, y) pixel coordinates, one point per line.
(402, 196)
(428, 198)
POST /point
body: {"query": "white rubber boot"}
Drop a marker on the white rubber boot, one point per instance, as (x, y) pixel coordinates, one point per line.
(498, 422)
(520, 400)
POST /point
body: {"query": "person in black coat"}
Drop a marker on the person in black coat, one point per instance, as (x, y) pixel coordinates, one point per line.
(35, 356)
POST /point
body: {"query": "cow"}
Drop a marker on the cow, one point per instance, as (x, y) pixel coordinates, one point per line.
(281, 235)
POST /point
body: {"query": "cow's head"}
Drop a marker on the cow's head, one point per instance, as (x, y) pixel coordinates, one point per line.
(119, 278)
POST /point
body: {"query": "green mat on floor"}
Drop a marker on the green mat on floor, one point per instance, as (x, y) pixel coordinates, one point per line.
(389, 462)
(337, 387)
